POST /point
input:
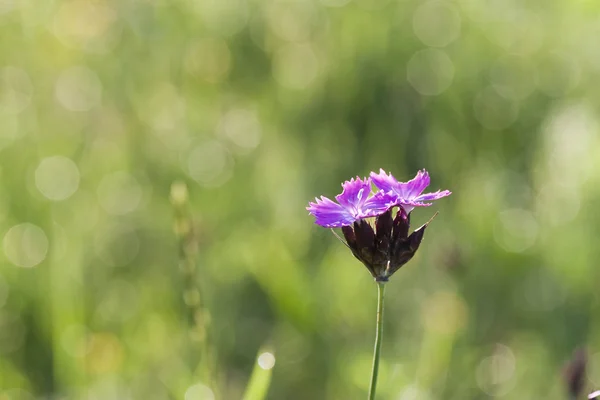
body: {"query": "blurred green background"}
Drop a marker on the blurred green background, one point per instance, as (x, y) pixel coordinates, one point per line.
(157, 158)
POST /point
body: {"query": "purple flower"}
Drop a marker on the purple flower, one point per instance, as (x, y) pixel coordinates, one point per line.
(383, 244)
(354, 203)
(408, 194)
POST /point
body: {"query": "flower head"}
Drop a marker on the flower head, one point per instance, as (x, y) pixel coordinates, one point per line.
(408, 194)
(353, 204)
(383, 245)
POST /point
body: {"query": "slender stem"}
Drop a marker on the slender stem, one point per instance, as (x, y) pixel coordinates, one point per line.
(378, 337)
(198, 313)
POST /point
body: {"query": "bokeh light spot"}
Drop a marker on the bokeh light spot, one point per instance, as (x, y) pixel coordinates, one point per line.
(437, 23)
(291, 20)
(558, 74)
(511, 26)
(179, 194)
(163, 108)
(266, 360)
(119, 302)
(414, 393)
(554, 196)
(513, 77)
(6, 6)
(516, 230)
(208, 59)
(242, 128)
(444, 312)
(495, 373)
(430, 72)
(570, 132)
(210, 164)
(191, 297)
(87, 25)
(25, 245)
(104, 353)
(106, 387)
(199, 392)
(57, 178)
(119, 193)
(16, 90)
(493, 111)
(78, 89)
(295, 66)
(117, 246)
(74, 340)
(222, 17)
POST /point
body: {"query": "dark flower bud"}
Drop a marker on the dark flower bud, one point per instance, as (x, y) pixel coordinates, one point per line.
(387, 248)
(401, 224)
(415, 238)
(383, 229)
(575, 373)
(365, 237)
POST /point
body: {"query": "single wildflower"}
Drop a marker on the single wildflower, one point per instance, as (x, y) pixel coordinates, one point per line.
(594, 396)
(382, 245)
(409, 194)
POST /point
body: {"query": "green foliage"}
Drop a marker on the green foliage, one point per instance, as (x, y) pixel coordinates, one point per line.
(258, 106)
(260, 379)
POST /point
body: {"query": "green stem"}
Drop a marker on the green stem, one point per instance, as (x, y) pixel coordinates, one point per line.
(378, 337)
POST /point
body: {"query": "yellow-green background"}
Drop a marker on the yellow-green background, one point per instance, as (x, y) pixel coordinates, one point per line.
(258, 107)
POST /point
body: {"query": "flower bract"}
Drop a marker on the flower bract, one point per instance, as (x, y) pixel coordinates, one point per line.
(386, 248)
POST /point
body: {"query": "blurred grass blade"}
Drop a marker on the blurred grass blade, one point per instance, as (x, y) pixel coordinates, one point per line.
(198, 350)
(260, 379)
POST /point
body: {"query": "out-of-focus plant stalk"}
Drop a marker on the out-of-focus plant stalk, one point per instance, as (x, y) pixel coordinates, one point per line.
(378, 339)
(198, 313)
(64, 279)
(260, 379)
